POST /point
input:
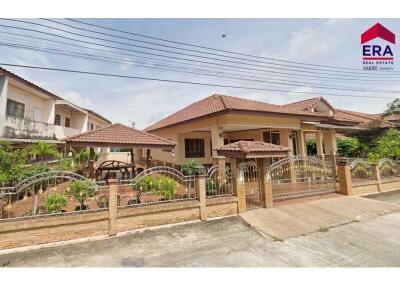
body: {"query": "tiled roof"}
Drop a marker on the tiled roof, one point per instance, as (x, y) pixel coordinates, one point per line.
(353, 116)
(218, 103)
(307, 104)
(118, 134)
(253, 149)
(393, 117)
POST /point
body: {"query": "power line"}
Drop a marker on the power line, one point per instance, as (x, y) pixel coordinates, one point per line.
(197, 56)
(188, 82)
(234, 77)
(197, 51)
(191, 60)
(205, 47)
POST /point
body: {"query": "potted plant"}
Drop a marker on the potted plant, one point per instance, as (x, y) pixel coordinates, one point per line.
(102, 201)
(193, 168)
(55, 203)
(81, 190)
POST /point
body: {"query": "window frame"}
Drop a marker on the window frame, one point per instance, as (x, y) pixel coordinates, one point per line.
(16, 104)
(67, 119)
(55, 119)
(200, 153)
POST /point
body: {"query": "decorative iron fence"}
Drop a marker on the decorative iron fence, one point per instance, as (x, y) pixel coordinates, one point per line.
(361, 170)
(218, 182)
(249, 177)
(389, 168)
(301, 176)
(52, 193)
(156, 185)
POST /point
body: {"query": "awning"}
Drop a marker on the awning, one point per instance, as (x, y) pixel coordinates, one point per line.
(333, 126)
(253, 149)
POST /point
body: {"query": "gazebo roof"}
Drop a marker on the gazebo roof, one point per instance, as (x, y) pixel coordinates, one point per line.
(118, 135)
(253, 149)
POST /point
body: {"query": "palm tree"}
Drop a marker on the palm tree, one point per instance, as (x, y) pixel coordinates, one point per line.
(43, 149)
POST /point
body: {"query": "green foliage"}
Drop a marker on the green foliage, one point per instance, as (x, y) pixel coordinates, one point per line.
(393, 107)
(348, 147)
(387, 146)
(33, 170)
(12, 163)
(145, 184)
(102, 201)
(81, 158)
(311, 147)
(166, 186)
(81, 190)
(210, 186)
(64, 164)
(192, 168)
(55, 203)
(42, 149)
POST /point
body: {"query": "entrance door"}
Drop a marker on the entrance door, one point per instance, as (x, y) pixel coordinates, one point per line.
(249, 177)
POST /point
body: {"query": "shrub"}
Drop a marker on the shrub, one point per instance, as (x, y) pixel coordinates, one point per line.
(166, 186)
(55, 203)
(102, 201)
(193, 168)
(81, 190)
(348, 147)
(211, 186)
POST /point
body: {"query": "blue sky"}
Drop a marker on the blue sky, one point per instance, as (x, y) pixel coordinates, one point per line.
(334, 42)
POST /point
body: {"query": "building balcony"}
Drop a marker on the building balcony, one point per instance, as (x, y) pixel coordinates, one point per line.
(61, 132)
(25, 128)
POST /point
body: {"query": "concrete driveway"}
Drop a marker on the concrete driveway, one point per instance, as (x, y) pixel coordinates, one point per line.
(293, 220)
(370, 241)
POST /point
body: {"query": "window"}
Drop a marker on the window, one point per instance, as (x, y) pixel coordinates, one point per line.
(91, 126)
(67, 122)
(98, 126)
(272, 137)
(237, 140)
(15, 109)
(194, 148)
(57, 120)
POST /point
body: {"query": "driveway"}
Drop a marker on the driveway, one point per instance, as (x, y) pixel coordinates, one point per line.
(370, 241)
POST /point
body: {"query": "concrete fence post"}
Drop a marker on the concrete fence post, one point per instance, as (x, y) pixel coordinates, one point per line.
(265, 184)
(376, 175)
(200, 184)
(112, 206)
(238, 188)
(345, 182)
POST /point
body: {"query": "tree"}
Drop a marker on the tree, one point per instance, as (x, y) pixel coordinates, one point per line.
(42, 149)
(387, 146)
(12, 164)
(348, 147)
(81, 190)
(393, 108)
(55, 203)
(311, 147)
(192, 168)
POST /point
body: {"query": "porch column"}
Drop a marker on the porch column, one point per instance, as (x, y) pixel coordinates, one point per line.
(265, 185)
(320, 148)
(330, 142)
(301, 143)
(217, 141)
(238, 188)
(91, 163)
(284, 137)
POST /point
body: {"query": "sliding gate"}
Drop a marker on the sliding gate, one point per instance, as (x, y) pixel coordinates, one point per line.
(301, 176)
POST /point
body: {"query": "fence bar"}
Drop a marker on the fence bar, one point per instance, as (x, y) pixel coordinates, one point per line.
(113, 206)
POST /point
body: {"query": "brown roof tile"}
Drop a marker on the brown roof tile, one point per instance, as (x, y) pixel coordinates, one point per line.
(119, 135)
(252, 146)
(217, 103)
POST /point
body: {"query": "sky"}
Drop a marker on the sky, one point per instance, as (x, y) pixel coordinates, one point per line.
(332, 42)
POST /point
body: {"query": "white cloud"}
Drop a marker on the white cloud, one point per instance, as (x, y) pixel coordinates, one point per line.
(75, 98)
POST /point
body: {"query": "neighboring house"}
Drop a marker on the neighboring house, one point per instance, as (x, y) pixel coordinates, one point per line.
(202, 127)
(29, 113)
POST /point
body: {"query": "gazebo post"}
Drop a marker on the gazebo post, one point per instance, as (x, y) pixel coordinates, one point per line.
(148, 158)
(91, 163)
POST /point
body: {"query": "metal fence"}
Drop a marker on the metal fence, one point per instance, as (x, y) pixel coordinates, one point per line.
(301, 176)
(249, 177)
(156, 185)
(361, 170)
(52, 193)
(389, 168)
(219, 182)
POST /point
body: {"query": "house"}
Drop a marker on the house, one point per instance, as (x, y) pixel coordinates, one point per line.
(204, 126)
(29, 113)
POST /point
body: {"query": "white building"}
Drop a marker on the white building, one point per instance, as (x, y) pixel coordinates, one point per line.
(29, 113)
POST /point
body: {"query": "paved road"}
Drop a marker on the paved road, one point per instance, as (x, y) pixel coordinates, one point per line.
(390, 197)
(230, 242)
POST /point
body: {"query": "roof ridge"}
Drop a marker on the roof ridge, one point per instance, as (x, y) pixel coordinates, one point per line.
(357, 113)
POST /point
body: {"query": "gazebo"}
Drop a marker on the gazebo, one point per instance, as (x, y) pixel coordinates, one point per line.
(119, 136)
